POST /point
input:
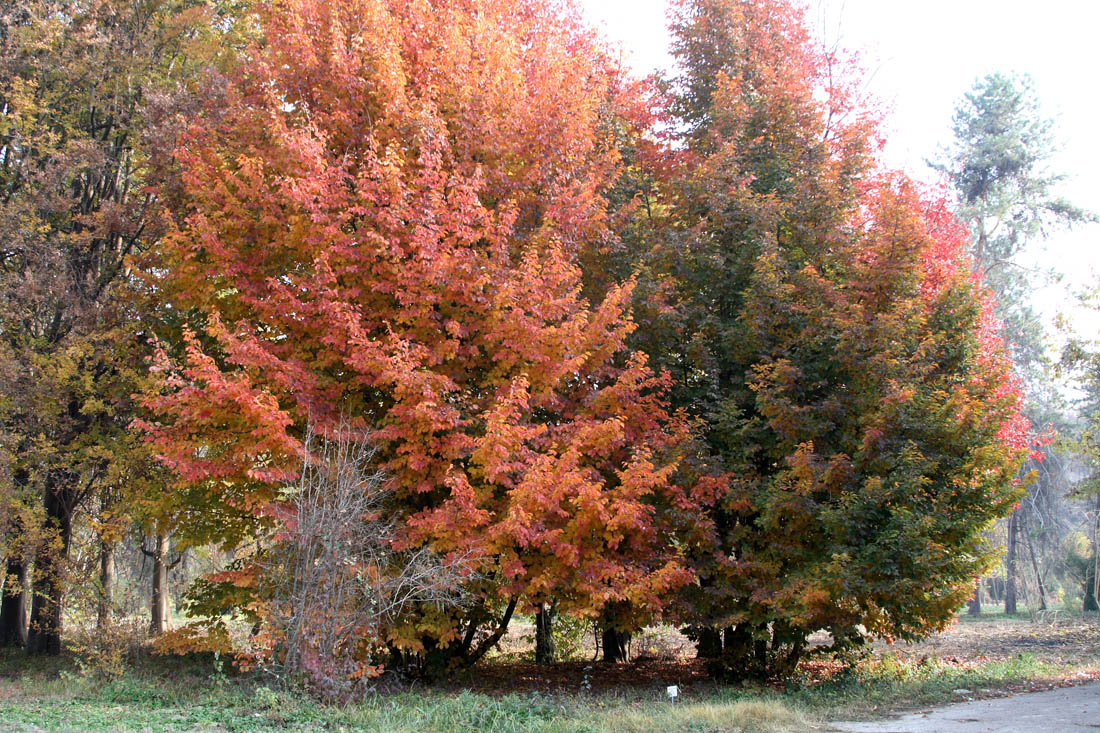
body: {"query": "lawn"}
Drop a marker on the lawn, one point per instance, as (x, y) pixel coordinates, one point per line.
(981, 658)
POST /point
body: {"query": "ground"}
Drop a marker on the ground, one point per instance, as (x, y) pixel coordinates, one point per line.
(1055, 637)
(1063, 710)
(973, 645)
(973, 660)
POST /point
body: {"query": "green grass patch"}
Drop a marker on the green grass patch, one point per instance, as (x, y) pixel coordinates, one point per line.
(174, 695)
(131, 705)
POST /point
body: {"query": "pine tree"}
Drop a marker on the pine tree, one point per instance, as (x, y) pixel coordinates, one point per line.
(999, 165)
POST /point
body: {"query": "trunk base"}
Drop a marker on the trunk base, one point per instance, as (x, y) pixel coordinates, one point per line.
(615, 645)
(545, 652)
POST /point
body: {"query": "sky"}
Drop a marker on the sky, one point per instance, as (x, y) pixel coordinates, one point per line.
(921, 57)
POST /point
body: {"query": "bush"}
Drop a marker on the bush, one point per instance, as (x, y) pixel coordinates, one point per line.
(107, 648)
(331, 582)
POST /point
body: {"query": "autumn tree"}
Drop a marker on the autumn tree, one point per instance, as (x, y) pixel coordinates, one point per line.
(76, 80)
(822, 323)
(382, 226)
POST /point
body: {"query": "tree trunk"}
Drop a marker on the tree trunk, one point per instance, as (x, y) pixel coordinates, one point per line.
(974, 607)
(737, 646)
(107, 581)
(468, 655)
(760, 653)
(158, 612)
(996, 589)
(11, 605)
(48, 598)
(708, 644)
(732, 637)
(545, 653)
(614, 644)
(1010, 567)
(25, 604)
(1038, 575)
(1090, 603)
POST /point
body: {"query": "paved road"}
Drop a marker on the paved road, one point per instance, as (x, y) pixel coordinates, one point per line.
(1057, 711)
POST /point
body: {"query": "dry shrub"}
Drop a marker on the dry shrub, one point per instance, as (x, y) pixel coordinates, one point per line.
(106, 635)
(331, 581)
(108, 648)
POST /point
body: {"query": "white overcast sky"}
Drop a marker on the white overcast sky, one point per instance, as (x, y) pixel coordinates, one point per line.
(922, 57)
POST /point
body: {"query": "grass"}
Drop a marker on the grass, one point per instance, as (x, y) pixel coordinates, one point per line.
(136, 703)
(887, 684)
(179, 695)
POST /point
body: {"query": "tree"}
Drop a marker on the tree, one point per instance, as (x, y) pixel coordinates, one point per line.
(1082, 358)
(999, 167)
(382, 225)
(75, 80)
(825, 329)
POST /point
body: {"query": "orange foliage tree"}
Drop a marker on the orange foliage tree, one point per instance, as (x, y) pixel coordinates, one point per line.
(381, 224)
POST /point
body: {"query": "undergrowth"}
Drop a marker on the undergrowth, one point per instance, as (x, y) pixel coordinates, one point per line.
(169, 694)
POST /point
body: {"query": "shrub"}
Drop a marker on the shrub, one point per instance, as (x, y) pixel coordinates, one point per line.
(331, 581)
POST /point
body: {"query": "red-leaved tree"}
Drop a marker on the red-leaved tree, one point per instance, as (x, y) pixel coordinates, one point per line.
(381, 224)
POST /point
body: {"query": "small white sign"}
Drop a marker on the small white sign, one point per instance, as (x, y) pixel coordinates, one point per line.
(672, 691)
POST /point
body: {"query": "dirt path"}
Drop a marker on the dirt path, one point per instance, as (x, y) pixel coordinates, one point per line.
(1056, 711)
